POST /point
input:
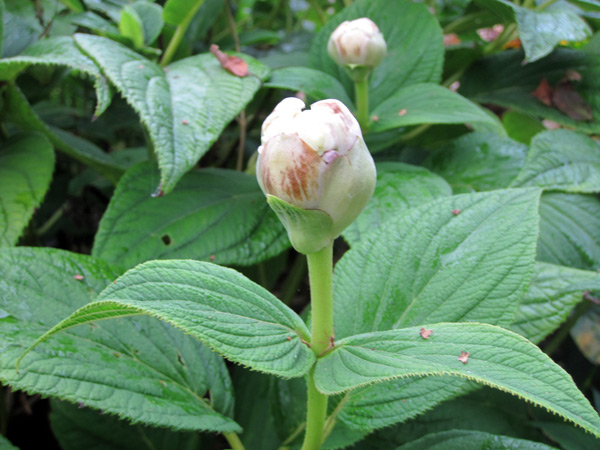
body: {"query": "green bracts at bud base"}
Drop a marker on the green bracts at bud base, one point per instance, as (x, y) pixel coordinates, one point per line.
(314, 161)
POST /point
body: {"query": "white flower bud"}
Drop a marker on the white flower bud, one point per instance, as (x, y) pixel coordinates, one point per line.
(357, 43)
(316, 160)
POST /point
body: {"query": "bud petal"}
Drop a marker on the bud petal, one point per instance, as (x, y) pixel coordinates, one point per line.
(357, 43)
(315, 160)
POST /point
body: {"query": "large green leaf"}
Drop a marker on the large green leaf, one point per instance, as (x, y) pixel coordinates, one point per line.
(414, 41)
(185, 106)
(139, 368)
(77, 428)
(384, 404)
(570, 230)
(496, 357)
(485, 409)
(562, 160)
(425, 103)
(478, 162)
(472, 440)
(553, 293)
(399, 187)
(316, 84)
(22, 114)
(502, 80)
(21, 27)
(214, 304)
(540, 30)
(59, 51)
(212, 214)
(464, 258)
(26, 166)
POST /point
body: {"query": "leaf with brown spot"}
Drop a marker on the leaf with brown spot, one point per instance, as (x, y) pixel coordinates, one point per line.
(464, 357)
(425, 333)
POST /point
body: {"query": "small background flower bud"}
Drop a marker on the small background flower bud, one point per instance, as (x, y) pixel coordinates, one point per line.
(357, 43)
(315, 160)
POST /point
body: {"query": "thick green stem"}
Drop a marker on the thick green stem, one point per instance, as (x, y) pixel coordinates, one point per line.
(361, 89)
(320, 267)
(234, 441)
(316, 415)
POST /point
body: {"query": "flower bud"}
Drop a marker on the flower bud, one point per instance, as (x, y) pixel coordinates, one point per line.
(357, 43)
(317, 165)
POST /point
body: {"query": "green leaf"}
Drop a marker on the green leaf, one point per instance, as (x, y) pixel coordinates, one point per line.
(472, 440)
(484, 409)
(184, 107)
(568, 437)
(414, 42)
(384, 404)
(139, 368)
(570, 230)
(316, 84)
(22, 114)
(541, 31)
(130, 26)
(26, 166)
(434, 263)
(554, 291)
(214, 304)
(54, 52)
(212, 214)
(21, 27)
(478, 162)
(521, 127)
(501, 79)
(96, 23)
(151, 16)
(73, 5)
(425, 103)
(177, 11)
(497, 357)
(562, 160)
(399, 187)
(6, 445)
(77, 428)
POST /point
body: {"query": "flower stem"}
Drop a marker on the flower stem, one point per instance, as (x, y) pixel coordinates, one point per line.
(179, 33)
(320, 266)
(361, 89)
(234, 441)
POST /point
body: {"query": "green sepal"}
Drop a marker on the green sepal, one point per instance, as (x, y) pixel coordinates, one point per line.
(358, 73)
(309, 230)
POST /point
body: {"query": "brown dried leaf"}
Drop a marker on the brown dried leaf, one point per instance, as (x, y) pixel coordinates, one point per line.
(568, 101)
(543, 92)
(233, 64)
(464, 357)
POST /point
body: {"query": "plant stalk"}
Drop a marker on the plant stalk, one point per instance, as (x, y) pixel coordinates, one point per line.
(361, 90)
(320, 268)
(234, 441)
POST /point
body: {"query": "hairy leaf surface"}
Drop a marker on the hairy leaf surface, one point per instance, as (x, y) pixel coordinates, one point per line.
(490, 355)
(185, 106)
(26, 166)
(139, 368)
(212, 214)
(214, 304)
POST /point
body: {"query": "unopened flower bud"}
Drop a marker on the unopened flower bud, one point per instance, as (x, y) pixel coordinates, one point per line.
(357, 43)
(317, 162)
